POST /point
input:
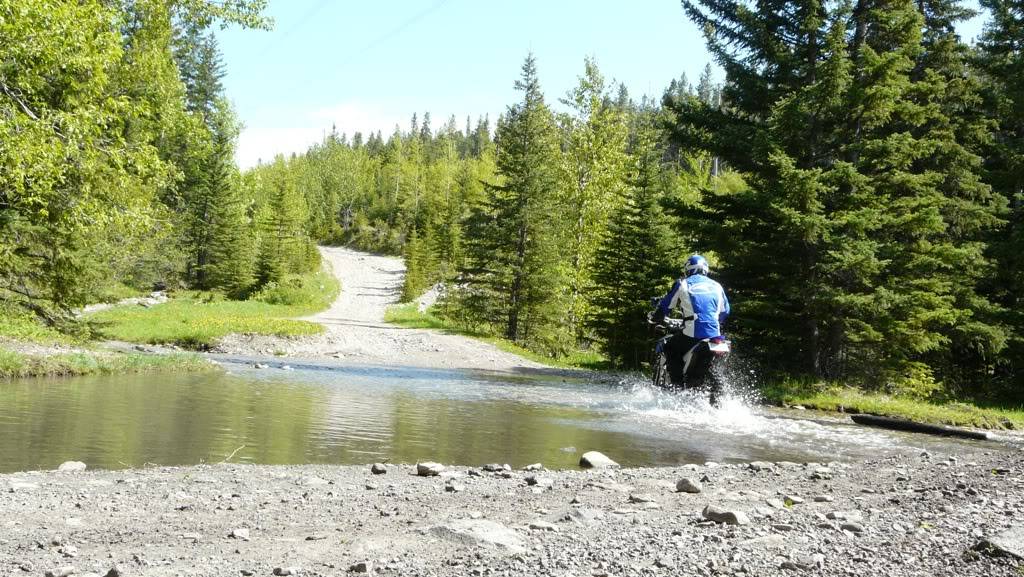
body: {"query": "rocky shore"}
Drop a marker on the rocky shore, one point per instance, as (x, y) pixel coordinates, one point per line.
(923, 515)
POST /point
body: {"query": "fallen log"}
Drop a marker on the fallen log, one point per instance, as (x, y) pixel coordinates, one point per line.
(915, 427)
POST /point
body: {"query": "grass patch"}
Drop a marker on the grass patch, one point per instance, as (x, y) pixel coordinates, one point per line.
(197, 320)
(18, 365)
(409, 316)
(837, 398)
(25, 327)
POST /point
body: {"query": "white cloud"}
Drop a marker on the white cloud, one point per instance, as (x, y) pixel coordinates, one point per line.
(285, 133)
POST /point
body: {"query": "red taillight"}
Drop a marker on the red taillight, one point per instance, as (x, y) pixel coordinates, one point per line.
(717, 340)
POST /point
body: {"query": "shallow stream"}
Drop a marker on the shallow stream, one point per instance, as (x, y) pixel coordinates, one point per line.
(332, 413)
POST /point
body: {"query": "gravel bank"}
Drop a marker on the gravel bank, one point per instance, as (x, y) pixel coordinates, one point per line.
(356, 331)
(919, 515)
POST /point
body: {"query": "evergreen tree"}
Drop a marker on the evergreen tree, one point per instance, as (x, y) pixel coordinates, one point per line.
(515, 275)
(635, 259)
(1001, 59)
(707, 92)
(282, 242)
(849, 245)
(960, 133)
(200, 68)
(417, 266)
(230, 258)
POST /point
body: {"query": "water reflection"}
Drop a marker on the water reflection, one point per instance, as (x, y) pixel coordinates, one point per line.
(337, 414)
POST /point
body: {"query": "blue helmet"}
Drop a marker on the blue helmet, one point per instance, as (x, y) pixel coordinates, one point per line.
(696, 264)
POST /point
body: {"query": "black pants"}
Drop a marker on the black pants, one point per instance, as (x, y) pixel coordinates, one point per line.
(675, 349)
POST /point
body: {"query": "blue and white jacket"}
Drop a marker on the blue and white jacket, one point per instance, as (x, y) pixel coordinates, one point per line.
(703, 303)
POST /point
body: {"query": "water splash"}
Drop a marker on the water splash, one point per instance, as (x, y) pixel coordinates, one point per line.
(739, 423)
(691, 409)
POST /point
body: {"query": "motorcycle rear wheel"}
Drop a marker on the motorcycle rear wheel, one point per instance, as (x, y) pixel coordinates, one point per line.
(713, 383)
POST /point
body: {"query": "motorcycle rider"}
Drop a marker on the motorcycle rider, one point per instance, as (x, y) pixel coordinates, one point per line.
(704, 307)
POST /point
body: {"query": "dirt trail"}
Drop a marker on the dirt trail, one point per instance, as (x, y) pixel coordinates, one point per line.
(356, 331)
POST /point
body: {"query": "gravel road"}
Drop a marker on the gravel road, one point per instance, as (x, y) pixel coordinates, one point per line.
(903, 516)
(357, 333)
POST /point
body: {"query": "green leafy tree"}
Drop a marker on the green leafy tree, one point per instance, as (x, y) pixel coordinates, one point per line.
(73, 166)
(591, 169)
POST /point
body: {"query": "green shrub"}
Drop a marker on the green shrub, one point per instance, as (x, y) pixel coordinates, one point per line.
(316, 291)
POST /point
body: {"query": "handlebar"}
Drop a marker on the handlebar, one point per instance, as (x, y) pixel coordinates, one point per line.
(667, 324)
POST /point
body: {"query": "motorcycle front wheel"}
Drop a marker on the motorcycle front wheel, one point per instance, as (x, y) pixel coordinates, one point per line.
(659, 369)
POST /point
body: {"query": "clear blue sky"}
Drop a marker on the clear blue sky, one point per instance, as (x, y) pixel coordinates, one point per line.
(367, 65)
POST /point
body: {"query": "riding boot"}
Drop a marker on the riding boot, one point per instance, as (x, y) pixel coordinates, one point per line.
(674, 360)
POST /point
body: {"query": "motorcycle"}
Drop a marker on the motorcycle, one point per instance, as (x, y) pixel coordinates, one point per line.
(698, 362)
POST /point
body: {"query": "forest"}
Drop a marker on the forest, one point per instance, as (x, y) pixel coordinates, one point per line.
(856, 182)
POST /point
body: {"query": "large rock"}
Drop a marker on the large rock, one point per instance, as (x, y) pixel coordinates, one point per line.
(596, 460)
(429, 469)
(719, 515)
(378, 469)
(688, 485)
(71, 466)
(481, 532)
(1009, 543)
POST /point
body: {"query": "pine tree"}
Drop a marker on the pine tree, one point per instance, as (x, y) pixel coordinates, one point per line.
(1001, 59)
(282, 242)
(849, 244)
(514, 274)
(200, 67)
(635, 259)
(707, 92)
(230, 249)
(950, 90)
(417, 263)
